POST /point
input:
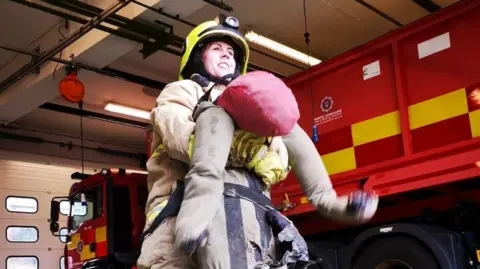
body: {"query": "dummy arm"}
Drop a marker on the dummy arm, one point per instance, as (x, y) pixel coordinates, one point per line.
(310, 171)
(172, 118)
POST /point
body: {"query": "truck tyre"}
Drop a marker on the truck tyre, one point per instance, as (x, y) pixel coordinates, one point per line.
(315, 254)
(398, 252)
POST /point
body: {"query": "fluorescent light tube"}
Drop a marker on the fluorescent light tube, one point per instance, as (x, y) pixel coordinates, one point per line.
(135, 112)
(130, 171)
(280, 48)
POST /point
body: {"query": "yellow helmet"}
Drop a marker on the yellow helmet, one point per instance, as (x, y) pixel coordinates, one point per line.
(220, 27)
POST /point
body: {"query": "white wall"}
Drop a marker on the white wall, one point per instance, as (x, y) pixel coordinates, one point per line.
(41, 176)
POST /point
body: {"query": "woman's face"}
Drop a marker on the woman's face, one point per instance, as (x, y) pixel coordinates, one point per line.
(218, 58)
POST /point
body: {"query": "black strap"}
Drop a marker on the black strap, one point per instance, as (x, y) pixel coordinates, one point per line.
(175, 201)
(171, 209)
(206, 96)
(245, 192)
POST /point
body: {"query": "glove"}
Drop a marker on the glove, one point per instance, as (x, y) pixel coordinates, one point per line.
(271, 169)
(362, 205)
(247, 149)
(270, 163)
(192, 245)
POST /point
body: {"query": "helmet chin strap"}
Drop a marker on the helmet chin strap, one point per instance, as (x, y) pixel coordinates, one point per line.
(204, 82)
(225, 80)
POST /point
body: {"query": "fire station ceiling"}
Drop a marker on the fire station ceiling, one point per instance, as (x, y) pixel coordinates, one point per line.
(33, 101)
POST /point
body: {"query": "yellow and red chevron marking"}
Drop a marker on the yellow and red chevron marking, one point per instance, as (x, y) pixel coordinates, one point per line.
(442, 120)
(80, 242)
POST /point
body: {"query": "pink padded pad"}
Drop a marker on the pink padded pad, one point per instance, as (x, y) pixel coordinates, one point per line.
(260, 103)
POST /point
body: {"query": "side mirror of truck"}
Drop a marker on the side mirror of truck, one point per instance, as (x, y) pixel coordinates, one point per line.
(54, 227)
(54, 215)
(54, 211)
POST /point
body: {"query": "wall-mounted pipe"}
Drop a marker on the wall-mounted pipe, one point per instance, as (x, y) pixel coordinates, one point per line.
(107, 71)
(94, 115)
(70, 17)
(22, 72)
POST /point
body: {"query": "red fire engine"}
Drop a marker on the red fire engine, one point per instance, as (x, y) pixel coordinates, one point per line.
(399, 115)
(106, 218)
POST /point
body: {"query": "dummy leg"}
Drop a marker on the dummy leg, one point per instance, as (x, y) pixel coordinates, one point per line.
(214, 131)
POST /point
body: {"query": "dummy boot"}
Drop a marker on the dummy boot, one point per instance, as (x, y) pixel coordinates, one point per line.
(214, 131)
(307, 165)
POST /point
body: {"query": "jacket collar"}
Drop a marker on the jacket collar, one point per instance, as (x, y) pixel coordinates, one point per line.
(206, 85)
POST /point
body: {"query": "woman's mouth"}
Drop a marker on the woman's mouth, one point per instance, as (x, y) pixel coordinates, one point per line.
(223, 65)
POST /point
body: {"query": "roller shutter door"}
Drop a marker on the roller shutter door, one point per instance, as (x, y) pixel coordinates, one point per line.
(27, 184)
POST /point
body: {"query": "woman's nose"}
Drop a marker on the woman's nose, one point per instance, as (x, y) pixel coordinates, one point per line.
(225, 53)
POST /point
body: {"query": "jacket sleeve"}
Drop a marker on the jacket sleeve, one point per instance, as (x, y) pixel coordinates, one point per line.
(172, 118)
(312, 175)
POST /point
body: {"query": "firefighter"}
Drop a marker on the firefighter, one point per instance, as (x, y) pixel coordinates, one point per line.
(234, 226)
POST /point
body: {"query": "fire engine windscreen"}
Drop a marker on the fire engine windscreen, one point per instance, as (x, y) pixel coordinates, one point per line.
(85, 206)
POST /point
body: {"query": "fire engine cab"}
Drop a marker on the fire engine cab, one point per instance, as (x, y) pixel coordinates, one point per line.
(105, 220)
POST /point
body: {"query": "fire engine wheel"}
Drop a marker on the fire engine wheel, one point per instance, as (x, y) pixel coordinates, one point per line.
(396, 253)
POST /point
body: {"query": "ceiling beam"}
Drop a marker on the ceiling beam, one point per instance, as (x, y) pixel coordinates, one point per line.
(177, 18)
(428, 5)
(107, 71)
(379, 12)
(44, 57)
(94, 49)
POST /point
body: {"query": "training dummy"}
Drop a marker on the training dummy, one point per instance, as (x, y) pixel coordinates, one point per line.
(198, 146)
